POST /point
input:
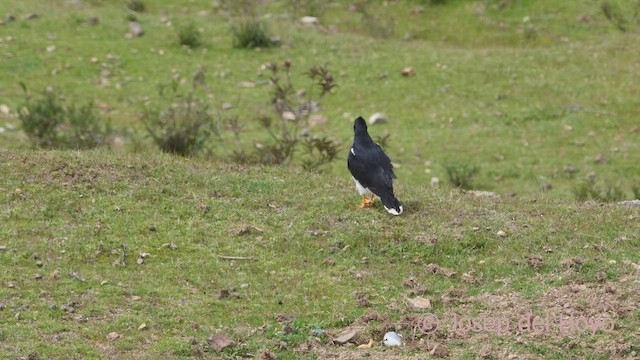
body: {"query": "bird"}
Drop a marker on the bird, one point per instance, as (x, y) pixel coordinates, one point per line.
(371, 170)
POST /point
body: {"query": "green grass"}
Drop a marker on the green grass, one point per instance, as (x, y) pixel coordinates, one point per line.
(519, 92)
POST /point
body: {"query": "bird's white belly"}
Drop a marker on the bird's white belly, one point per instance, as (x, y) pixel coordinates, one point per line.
(361, 189)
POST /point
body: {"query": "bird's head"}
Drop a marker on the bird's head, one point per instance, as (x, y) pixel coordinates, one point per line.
(360, 126)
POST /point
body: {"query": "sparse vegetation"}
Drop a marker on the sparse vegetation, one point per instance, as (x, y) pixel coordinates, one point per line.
(250, 34)
(591, 189)
(136, 5)
(181, 121)
(128, 251)
(189, 35)
(461, 175)
(49, 123)
(293, 111)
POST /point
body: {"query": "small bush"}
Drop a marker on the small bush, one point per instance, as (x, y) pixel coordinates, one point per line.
(188, 35)
(251, 34)
(136, 5)
(50, 124)
(87, 129)
(589, 189)
(461, 175)
(41, 119)
(183, 125)
(293, 112)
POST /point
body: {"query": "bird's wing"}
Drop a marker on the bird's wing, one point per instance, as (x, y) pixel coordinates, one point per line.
(371, 167)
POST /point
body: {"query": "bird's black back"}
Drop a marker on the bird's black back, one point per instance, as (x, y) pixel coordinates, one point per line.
(370, 165)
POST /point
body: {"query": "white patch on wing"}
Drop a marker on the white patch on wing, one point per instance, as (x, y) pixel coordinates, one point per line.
(361, 189)
(353, 152)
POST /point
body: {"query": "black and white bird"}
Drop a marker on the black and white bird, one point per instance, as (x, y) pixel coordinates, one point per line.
(372, 170)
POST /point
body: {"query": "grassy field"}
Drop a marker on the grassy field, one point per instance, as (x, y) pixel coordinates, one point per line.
(126, 252)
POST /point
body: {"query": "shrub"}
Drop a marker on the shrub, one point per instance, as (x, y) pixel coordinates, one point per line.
(86, 127)
(461, 175)
(183, 125)
(251, 34)
(136, 5)
(41, 119)
(49, 123)
(188, 35)
(293, 112)
(589, 189)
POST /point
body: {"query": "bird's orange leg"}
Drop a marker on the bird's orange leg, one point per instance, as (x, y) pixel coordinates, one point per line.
(364, 202)
(372, 200)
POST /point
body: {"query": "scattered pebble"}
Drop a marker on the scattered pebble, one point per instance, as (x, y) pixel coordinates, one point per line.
(4, 109)
(113, 336)
(345, 337)
(408, 72)
(419, 303)
(143, 327)
(310, 20)
(501, 234)
(220, 342)
(135, 29)
(377, 118)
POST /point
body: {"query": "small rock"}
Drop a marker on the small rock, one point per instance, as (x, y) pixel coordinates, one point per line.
(439, 350)
(367, 345)
(31, 16)
(220, 342)
(113, 336)
(135, 298)
(2, 248)
(140, 261)
(244, 286)
(152, 228)
(629, 203)
(435, 181)
(4, 109)
(288, 115)
(38, 276)
(345, 337)
(143, 327)
(247, 84)
(226, 106)
(480, 193)
(377, 118)
(135, 29)
(501, 234)
(310, 20)
(51, 48)
(316, 120)
(39, 264)
(419, 303)
(392, 339)
(94, 20)
(408, 72)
